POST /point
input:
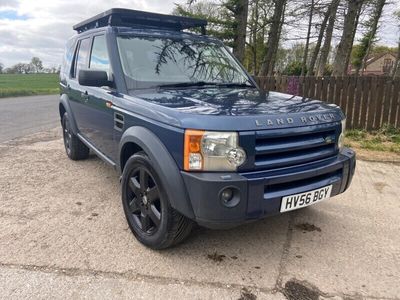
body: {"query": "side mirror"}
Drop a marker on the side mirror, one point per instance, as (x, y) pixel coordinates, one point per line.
(93, 78)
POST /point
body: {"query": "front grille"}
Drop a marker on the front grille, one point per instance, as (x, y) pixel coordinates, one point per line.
(294, 146)
(276, 188)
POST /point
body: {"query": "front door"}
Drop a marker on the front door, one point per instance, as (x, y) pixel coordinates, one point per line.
(98, 125)
(78, 94)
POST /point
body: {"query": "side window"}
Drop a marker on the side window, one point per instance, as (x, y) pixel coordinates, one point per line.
(81, 57)
(99, 58)
(67, 60)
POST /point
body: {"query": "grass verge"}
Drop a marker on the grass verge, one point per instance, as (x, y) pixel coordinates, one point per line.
(13, 85)
(382, 143)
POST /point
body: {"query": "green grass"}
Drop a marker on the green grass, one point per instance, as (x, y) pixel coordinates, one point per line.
(386, 139)
(12, 85)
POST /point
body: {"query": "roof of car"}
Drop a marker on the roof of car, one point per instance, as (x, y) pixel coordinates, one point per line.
(136, 18)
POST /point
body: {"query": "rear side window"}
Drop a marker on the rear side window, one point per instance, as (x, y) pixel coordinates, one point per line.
(99, 58)
(82, 57)
(67, 60)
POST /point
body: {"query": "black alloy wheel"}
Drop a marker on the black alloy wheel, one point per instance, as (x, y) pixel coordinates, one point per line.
(76, 150)
(147, 208)
(145, 204)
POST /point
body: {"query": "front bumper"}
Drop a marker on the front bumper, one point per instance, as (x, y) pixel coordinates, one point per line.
(260, 193)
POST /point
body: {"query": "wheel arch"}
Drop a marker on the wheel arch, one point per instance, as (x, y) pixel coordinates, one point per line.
(138, 138)
(127, 150)
(64, 107)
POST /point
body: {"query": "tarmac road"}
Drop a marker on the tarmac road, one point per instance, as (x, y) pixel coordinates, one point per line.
(64, 236)
(20, 116)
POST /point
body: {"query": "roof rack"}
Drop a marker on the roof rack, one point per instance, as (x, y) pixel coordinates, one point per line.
(130, 18)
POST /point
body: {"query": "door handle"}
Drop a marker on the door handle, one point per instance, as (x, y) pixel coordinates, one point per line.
(85, 96)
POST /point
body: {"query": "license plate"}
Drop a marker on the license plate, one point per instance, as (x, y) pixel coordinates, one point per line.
(297, 201)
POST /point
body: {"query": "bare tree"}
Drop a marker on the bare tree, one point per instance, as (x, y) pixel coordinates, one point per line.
(305, 55)
(346, 42)
(363, 48)
(317, 48)
(36, 64)
(372, 32)
(1, 68)
(257, 25)
(271, 47)
(20, 68)
(328, 37)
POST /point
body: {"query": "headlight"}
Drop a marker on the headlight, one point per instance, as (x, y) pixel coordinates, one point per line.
(342, 135)
(212, 151)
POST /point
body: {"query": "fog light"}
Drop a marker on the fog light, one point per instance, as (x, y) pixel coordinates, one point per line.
(227, 195)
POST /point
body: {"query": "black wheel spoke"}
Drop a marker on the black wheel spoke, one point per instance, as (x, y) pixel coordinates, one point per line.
(143, 179)
(154, 215)
(67, 136)
(134, 205)
(134, 185)
(152, 194)
(145, 222)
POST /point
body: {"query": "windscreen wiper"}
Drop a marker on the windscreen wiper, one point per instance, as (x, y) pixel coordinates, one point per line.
(204, 83)
(232, 84)
(187, 84)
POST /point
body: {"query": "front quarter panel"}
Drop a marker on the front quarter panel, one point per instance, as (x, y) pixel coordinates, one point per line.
(164, 165)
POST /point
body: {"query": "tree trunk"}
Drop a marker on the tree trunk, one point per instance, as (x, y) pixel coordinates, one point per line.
(275, 52)
(319, 41)
(346, 42)
(305, 56)
(352, 40)
(254, 20)
(372, 32)
(239, 41)
(271, 46)
(326, 47)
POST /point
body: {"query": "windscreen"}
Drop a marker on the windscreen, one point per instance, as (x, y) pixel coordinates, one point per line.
(150, 62)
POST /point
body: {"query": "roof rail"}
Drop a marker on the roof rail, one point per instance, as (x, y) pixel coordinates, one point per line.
(130, 18)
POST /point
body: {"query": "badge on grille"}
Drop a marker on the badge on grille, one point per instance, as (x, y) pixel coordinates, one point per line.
(329, 139)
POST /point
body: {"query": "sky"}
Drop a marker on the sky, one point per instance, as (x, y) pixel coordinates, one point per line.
(41, 27)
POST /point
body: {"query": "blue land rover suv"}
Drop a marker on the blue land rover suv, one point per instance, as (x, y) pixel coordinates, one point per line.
(192, 135)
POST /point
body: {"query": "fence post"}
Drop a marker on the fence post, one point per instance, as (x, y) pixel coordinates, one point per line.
(332, 85)
(350, 102)
(366, 84)
(395, 106)
(338, 90)
(388, 88)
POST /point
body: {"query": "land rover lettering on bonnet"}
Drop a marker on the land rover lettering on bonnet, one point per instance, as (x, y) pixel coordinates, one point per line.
(193, 137)
(283, 121)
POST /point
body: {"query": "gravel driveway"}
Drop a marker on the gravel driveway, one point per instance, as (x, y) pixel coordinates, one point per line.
(63, 235)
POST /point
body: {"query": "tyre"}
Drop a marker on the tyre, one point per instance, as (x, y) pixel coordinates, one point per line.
(76, 150)
(147, 208)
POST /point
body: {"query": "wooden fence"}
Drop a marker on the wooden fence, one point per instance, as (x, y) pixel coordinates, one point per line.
(368, 102)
